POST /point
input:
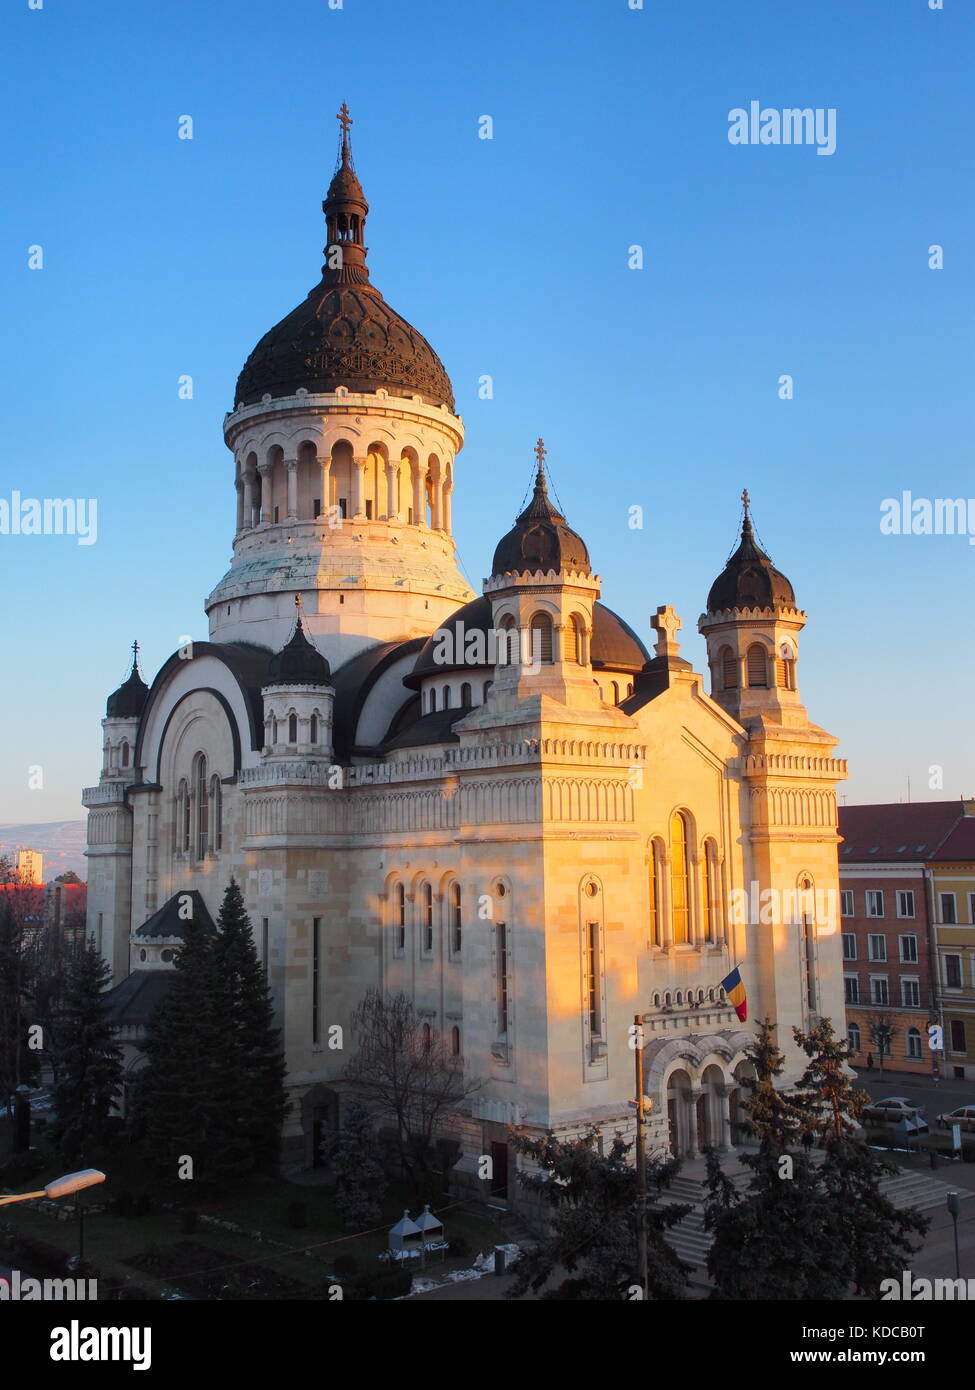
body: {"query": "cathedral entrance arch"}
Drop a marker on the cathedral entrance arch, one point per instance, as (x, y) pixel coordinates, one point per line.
(712, 1109)
(680, 1113)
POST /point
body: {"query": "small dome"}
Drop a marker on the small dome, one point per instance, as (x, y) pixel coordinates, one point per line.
(129, 700)
(615, 646)
(540, 540)
(298, 662)
(749, 579)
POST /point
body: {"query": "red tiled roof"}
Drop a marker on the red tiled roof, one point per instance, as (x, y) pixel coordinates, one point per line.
(960, 844)
(899, 831)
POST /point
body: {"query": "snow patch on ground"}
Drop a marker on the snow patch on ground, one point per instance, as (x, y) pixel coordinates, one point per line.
(483, 1264)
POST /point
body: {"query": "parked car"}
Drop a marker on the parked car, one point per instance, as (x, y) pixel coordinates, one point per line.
(892, 1109)
(963, 1116)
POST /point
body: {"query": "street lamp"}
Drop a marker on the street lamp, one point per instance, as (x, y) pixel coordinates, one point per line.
(954, 1206)
(60, 1187)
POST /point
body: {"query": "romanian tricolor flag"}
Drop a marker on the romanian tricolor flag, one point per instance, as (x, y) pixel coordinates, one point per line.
(735, 990)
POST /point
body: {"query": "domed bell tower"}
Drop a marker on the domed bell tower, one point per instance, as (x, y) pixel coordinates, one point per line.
(542, 591)
(752, 628)
(345, 442)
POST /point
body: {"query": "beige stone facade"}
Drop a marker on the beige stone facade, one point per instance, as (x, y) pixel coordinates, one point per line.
(539, 835)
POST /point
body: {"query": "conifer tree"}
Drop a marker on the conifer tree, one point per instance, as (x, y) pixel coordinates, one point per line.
(258, 1055)
(359, 1177)
(875, 1236)
(592, 1233)
(88, 1062)
(780, 1239)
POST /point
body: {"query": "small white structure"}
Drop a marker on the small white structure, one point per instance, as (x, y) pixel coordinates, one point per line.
(430, 1228)
(405, 1236)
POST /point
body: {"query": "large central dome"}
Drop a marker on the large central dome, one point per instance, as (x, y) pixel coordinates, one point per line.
(344, 333)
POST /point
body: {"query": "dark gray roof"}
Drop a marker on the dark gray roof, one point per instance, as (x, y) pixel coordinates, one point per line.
(432, 728)
(133, 1001)
(353, 682)
(171, 918)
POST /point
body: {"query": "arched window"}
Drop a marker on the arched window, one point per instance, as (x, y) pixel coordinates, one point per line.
(785, 668)
(292, 728)
(432, 700)
(679, 899)
(853, 1036)
(487, 688)
(507, 641)
(183, 818)
(541, 638)
(615, 691)
(572, 636)
(274, 729)
(426, 903)
(455, 919)
(125, 752)
(711, 918)
(656, 916)
(313, 729)
(446, 697)
(729, 669)
(399, 900)
(455, 1041)
(216, 814)
(202, 808)
(465, 696)
(426, 1036)
(914, 1045)
(757, 665)
(629, 689)
(679, 997)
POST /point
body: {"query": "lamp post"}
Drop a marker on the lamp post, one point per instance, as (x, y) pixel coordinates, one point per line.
(60, 1187)
(954, 1206)
(641, 1158)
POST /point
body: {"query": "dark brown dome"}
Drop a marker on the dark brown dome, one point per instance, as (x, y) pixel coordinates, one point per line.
(344, 333)
(615, 646)
(749, 579)
(129, 700)
(540, 540)
(298, 662)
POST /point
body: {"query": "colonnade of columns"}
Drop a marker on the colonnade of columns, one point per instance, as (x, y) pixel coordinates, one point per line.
(428, 489)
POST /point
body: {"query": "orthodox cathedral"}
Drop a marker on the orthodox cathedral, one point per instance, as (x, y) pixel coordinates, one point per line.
(502, 804)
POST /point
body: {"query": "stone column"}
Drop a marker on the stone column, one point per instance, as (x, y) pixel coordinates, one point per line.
(292, 466)
(446, 509)
(436, 521)
(326, 464)
(358, 489)
(240, 504)
(419, 507)
(252, 490)
(391, 478)
(264, 469)
(695, 899)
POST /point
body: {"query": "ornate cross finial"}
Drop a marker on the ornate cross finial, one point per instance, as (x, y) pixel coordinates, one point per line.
(666, 624)
(297, 605)
(745, 500)
(344, 120)
(135, 656)
(540, 452)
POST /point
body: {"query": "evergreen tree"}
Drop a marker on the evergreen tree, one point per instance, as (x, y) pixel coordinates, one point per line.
(88, 1059)
(360, 1179)
(781, 1238)
(875, 1236)
(258, 1055)
(592, 1233)
(192, 1090)
(18, 1062)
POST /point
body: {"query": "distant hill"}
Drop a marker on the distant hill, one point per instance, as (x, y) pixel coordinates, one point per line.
(62, 843)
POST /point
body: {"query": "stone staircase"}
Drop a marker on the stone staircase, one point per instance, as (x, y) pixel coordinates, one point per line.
(691, 1241)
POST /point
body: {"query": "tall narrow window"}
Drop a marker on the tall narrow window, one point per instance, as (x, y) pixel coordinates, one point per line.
(507, 641)
(680, 903)
(757, 667)
(400, 899)
(455, 919)
(427, 901)
(216, 814)
(455, 1041)
(292, 728)
(729, 669)
(572, 638)
(593, 980)
(426, 1036)
(125, 752)
(809, 943)
(446, 697)
(465, 695)
(614, 687)
(313, 729)
(501, 940)
(316, 979)
(541, 638)
(711, 920)
(785, 668)
(654, 870)
(202, 808)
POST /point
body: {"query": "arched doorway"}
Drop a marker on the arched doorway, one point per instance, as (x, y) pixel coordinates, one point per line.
(712, 1109)
(679, 1113)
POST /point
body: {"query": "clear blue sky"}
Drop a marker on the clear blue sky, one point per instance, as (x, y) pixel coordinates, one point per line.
(655, 387)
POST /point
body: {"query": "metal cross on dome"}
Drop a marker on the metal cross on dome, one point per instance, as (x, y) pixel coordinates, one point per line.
(344, 119)
(540, 452)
